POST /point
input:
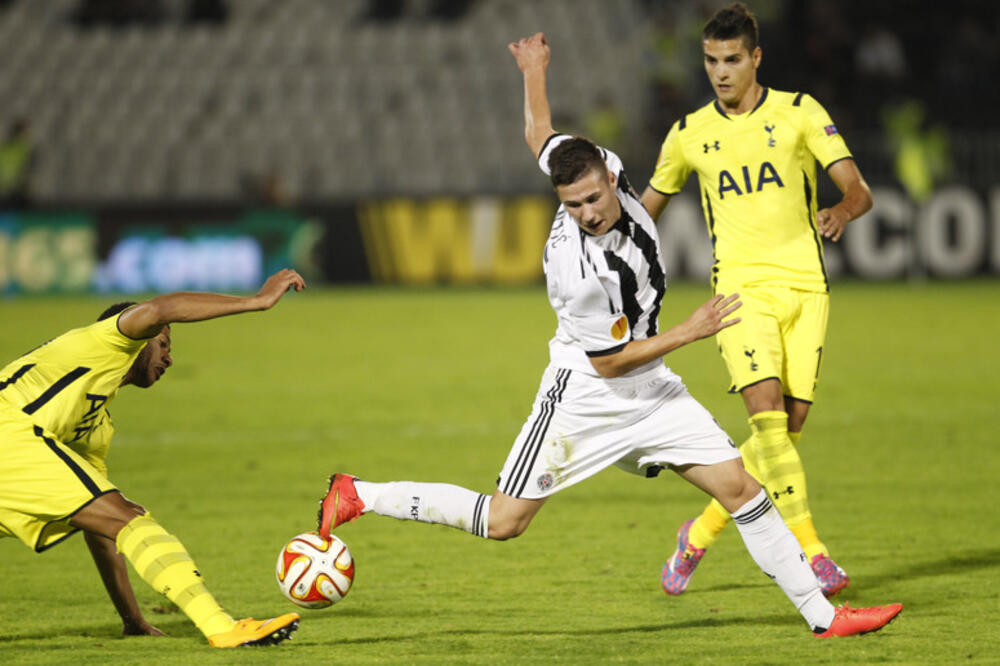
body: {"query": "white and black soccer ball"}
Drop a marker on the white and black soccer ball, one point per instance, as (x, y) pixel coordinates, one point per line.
(314, 572)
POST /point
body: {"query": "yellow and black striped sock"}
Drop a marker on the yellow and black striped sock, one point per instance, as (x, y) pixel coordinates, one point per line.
(161, 560)
(805, 531)
(780, 467)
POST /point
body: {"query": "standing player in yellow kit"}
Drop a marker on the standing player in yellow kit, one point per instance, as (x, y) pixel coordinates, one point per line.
(755, 151)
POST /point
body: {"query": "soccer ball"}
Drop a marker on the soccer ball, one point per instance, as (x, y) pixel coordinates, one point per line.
(314, 572)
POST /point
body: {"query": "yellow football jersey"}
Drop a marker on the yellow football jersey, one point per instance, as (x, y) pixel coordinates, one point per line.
(65, 386)
(757, 175)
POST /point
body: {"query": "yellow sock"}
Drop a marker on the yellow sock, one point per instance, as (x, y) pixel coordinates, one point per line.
(780, 467)
(161, 560)
(707, 527)
(805, 531)
(748, 451)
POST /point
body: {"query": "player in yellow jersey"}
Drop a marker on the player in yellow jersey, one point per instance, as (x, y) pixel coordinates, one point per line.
(55, 431)
(755, 151)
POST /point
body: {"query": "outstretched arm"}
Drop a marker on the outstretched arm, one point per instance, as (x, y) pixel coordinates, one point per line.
(708, 319)
(148, 319)
(856, 201)
(654, 202)
(114, 573)
(532, 55)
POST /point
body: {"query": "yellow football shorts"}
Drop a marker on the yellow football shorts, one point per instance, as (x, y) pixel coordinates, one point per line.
(781, 336)
(43, 483)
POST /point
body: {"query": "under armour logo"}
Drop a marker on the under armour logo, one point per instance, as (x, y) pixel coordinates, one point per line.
(788, 491)
(749, 354)
(711, 145)
(770, 130)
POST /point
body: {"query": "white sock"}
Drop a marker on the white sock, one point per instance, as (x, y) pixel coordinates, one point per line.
(439, 503)
(776, 551)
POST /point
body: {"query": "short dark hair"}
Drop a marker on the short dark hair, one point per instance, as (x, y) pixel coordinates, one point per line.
(115, 309)
(732, 21)
(573, 158)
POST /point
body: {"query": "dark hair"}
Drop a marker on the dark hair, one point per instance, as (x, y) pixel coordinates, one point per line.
(573, 158)
(115, 309)
(732, 21)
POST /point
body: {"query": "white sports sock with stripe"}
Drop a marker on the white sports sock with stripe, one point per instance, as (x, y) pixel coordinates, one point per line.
(438, 503)
(776, 551)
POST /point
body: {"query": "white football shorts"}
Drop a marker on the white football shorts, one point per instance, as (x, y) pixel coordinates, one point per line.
(581, 424)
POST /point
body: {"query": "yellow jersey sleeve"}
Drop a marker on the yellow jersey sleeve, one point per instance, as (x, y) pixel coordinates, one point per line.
(821, 135)
(672, 170)
(107, 333)
(66, 384)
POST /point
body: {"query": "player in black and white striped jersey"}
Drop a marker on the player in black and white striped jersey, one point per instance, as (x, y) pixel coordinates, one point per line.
(606, 397)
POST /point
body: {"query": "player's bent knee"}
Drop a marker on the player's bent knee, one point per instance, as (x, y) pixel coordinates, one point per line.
(510, 516)
(107, 515)
(502, 530)
(736, 489)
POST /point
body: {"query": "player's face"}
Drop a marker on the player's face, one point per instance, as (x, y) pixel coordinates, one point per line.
(152, 361)
(731, 69)
(591, 201)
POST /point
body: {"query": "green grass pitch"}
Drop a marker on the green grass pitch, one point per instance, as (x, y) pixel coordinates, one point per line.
(231, 452)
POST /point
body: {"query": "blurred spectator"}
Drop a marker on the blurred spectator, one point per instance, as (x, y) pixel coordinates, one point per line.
(449, 10)
(16, 161)
(966, 66)
(267, 189)
(880, 55)
(119, 12)
(383, 11)
(207, 11)
(921, 154)
(604, 124)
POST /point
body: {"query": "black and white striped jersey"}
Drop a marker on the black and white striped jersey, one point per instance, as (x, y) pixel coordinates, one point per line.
(605, 290)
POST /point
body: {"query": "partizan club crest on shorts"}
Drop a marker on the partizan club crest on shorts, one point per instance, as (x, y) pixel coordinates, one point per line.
(545, 481)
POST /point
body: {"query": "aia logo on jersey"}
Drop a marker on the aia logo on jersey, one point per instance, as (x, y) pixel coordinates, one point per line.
(89, 419)
(730, 183)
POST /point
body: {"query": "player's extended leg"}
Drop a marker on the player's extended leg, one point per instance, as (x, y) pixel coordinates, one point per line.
(499, 516)
(161, 560)
(832, 578)
(803, 529)
(771, 544)
(782, 473)
(776, 551)
(696, 535)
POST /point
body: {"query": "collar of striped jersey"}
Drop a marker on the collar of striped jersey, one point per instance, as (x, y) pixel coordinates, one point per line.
(622, 225)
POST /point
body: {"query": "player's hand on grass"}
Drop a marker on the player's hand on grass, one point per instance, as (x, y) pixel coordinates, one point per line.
(276, 286)
(531, 52)
(710, 317)
(141, 628)
(832, 222)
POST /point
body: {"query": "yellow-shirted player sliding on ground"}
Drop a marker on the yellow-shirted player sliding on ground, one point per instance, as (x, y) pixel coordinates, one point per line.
(55, 431)
(755, 151)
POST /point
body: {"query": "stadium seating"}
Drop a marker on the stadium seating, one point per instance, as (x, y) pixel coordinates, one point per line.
(341, 107)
